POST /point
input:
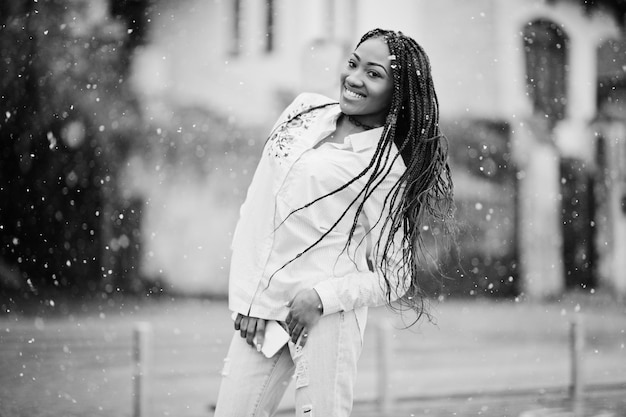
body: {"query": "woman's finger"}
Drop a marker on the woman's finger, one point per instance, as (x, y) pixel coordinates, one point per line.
(304, 337)
(238, 321)
(260, 333)
(291, 325)
(243, 326)
(251, 330)
(295, 334)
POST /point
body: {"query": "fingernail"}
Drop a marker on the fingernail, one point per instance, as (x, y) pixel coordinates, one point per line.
(258, 347)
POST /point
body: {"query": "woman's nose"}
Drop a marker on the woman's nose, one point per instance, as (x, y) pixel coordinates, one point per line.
(354, 80)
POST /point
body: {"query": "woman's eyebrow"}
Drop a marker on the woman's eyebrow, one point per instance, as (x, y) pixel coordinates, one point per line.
(371, 63)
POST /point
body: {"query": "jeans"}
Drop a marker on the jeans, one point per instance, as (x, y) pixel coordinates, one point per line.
(324, 371)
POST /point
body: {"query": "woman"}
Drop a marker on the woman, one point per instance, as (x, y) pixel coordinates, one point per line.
(331, 226)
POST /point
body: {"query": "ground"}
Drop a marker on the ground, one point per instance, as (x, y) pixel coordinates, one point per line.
(478, 358)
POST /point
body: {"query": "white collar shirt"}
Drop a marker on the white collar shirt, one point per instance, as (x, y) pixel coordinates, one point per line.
(292, 172)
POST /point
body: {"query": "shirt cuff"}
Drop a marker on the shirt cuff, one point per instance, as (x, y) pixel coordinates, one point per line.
(330, 302)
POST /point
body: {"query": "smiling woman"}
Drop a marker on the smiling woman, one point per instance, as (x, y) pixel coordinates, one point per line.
(332, 224)
(367, 84)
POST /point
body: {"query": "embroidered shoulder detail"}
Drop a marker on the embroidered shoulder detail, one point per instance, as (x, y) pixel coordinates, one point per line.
(298, 120)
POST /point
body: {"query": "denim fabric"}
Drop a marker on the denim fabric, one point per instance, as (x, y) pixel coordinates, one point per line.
(324, 373)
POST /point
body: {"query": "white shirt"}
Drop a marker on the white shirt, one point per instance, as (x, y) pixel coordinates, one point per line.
(291, 173)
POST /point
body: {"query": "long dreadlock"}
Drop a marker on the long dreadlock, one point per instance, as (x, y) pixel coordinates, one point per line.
(423, 195)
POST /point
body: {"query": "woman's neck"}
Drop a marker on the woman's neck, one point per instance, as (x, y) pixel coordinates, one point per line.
(343, 128)
(363, 124)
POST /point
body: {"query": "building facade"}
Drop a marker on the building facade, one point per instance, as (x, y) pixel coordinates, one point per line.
(551, 72)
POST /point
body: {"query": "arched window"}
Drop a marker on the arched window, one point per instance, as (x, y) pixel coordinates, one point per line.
(546, 49)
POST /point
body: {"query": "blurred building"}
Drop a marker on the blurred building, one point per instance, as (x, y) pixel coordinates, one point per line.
(550, 74)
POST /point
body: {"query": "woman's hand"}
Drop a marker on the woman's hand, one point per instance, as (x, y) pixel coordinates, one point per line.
(305, 311)
(250, 327)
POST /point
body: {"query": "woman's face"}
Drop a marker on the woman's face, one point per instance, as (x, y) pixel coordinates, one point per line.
(367, 83)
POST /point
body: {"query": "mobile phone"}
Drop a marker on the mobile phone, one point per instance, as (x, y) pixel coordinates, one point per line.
(275, 338)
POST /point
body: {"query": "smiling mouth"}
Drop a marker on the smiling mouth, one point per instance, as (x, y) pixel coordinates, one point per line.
(352, 94)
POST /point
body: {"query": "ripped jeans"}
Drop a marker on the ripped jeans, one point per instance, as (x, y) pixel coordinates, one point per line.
(324, 371)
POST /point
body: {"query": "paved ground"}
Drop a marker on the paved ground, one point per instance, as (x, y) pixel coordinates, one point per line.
(482, 358)
(605, 402)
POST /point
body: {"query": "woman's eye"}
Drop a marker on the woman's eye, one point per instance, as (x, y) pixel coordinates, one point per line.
(373, 74)
(351, 64)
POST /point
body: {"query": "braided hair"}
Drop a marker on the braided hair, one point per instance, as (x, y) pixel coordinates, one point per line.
(422, 198)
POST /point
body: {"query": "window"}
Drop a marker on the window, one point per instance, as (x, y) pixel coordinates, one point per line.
(236, 40)
(263, 19)
(269, 25)
(546, 49)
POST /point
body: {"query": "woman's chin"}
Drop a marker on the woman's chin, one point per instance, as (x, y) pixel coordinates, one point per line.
(346, 108)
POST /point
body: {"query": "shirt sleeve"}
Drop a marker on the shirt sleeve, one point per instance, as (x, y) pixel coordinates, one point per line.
(299, 104)
(367, 288)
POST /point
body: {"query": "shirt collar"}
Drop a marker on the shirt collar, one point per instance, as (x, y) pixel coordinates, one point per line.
(365, 140)
(362, 140)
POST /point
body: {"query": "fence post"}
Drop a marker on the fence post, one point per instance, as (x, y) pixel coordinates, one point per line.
(577, 344)
(141, 355)
(385, 348)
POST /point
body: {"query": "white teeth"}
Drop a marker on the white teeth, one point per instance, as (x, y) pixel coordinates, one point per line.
(353, 94)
